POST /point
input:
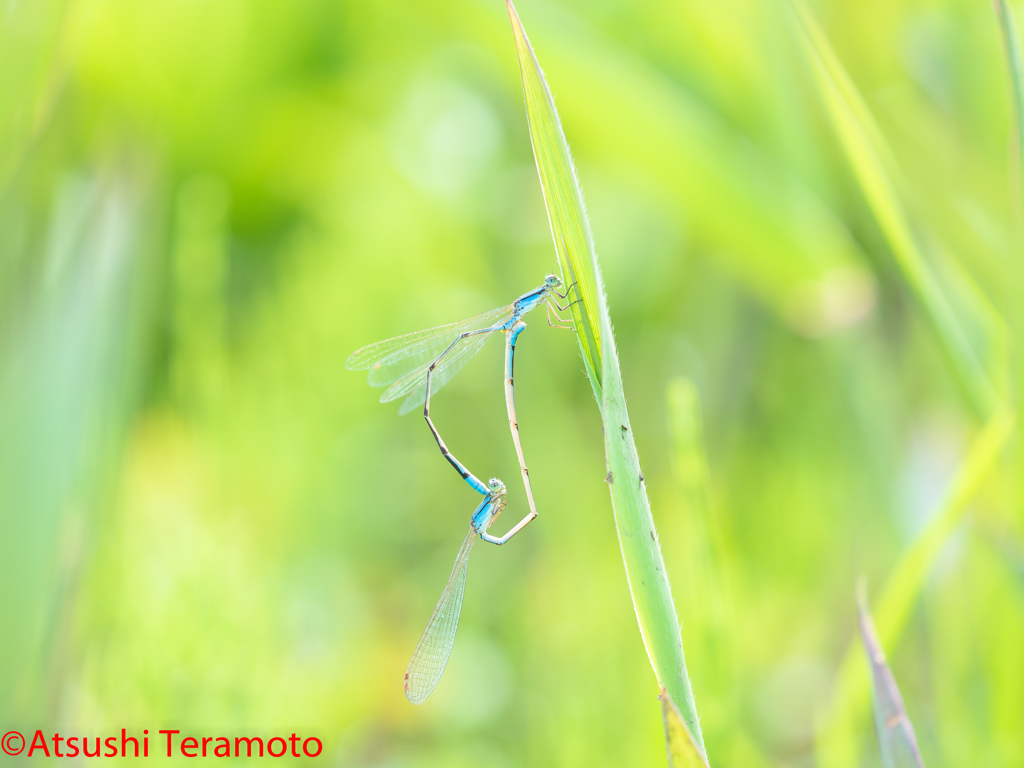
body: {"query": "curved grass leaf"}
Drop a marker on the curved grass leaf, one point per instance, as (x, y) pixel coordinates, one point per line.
(563, 199)
(645, 567)
(641, 553)
(792, 252)
(896, 738)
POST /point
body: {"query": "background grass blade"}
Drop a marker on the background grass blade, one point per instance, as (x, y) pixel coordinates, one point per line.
(682, 752)
(1011, 47)
(1015, 284)
(63, 381)
(706, 547)
(701, 550)
(964, 322)
(837, 744)
(33, 65)
(641, 554)
(896, 739)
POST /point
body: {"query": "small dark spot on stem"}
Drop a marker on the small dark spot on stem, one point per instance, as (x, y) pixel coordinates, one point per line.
(652, 536)
(609, 479)
(641, 478)
(624, 428)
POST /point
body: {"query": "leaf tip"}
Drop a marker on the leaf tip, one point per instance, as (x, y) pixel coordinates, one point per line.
(513, 14)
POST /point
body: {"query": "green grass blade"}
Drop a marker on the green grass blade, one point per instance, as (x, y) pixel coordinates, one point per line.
(688, 440)
(896, 738)
(641, 554)
(836, 741)
(1013, 308)
(702, 539)
(34, 64)
(563, 199)
(1011, 47)
(72, 355)
(682, 752)
(703, 547)
(941, 293)
(792, 252)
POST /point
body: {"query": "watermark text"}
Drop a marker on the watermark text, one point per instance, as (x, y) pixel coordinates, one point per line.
(166, 743)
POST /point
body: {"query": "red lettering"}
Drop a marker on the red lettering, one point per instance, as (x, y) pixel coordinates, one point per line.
(56, 745)
(206, 740)
(124, 743)
(189, 743)
(169, 734)
(319, 747)
(110, 743)
(38, 742)
(85, 747)
(270, 747)
(145, 744)
(248, 745)
(292, 739)
(72, 746)
(226, 746)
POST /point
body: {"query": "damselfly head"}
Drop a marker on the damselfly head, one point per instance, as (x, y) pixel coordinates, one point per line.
(497, 487)
(552, 281)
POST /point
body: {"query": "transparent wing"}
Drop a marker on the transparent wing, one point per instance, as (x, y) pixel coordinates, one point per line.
(435, 645)
(414, 383)
(392, 359)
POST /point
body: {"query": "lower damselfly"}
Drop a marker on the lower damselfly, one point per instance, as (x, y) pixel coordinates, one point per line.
(435, 645)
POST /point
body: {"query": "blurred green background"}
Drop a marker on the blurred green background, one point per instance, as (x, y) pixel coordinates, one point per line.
(209, 524)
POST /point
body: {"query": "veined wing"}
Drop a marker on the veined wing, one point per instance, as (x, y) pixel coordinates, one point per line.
(435, 645)
(414, 384)
(391, 359)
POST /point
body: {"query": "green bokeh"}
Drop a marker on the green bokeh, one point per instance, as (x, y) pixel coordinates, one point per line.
(210, 525)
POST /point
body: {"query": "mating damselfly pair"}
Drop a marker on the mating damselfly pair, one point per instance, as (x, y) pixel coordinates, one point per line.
(417, 365)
